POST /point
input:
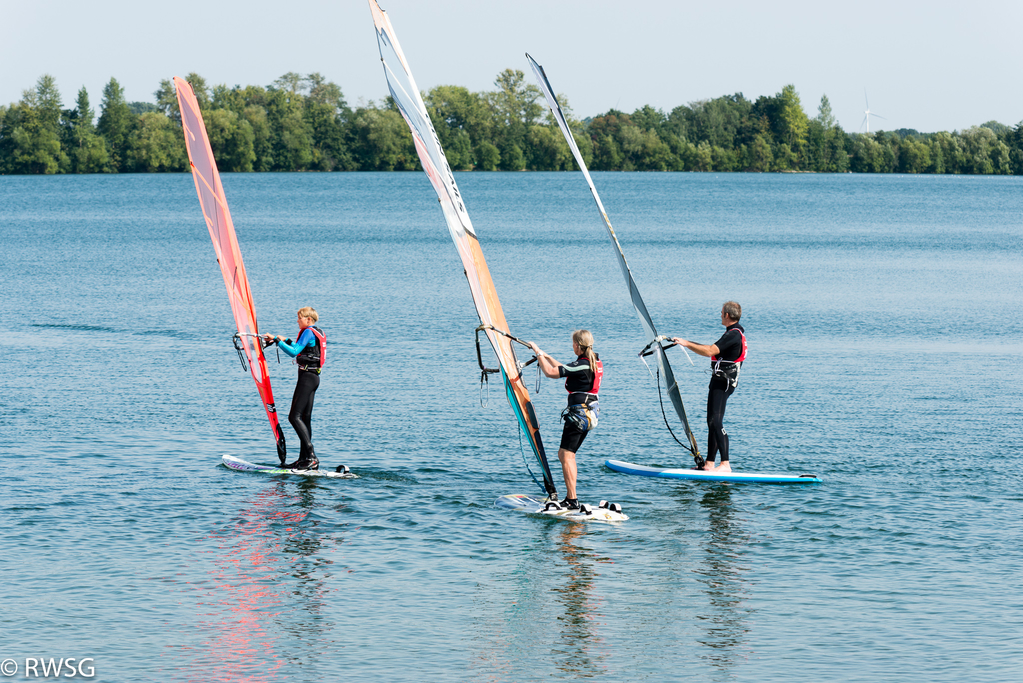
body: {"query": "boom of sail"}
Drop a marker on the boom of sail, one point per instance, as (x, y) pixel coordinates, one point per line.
(229, 256)
(655, 344)
(410, 103)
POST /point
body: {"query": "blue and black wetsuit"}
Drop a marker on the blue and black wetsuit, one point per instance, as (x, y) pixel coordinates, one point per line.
(308, 352)
(725, 367)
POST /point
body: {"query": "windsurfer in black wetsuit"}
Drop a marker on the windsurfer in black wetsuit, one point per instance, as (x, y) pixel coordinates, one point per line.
(309, 352)
(726, 357)
(582, 380)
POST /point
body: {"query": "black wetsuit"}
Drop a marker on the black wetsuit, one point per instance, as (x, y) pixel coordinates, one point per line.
(581, 390)
(307, 354)
(730, 347)
(301, 415)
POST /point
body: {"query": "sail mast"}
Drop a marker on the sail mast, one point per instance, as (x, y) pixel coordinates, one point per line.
(410, 103)
(229, 255)
(654, 341)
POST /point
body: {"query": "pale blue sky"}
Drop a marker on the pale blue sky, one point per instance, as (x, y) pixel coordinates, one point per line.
(936, 65)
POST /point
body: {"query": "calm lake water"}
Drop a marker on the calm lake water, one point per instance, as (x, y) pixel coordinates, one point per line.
(883, 357)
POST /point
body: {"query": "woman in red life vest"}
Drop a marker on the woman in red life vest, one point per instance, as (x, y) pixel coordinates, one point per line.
(310, 353)
(582, 380)
(726, 357)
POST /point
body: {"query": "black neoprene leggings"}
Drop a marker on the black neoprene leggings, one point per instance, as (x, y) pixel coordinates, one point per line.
(717, 438)
(301, 415)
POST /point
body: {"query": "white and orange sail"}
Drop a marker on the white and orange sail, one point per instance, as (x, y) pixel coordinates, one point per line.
(229, 256)
(410, 103)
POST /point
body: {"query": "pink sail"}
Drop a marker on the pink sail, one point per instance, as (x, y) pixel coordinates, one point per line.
(229, 256)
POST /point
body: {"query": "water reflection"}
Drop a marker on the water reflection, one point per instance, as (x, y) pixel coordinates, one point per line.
(543, 618)
(579, 653)
(725, 623)
(270, 575)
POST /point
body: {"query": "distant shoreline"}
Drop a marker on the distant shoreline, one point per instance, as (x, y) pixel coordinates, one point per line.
(303, 123)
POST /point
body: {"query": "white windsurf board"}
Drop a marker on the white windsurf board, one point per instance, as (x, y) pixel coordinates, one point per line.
(537, 505)
(246, 466)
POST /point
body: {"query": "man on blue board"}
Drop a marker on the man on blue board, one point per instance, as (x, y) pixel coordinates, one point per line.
(726, 357)
(310, 353)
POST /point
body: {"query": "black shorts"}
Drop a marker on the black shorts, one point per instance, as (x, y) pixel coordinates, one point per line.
(572, 437)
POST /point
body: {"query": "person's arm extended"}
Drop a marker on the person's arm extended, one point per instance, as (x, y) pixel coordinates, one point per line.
(548, 365)
(295, 348)
(701, 349)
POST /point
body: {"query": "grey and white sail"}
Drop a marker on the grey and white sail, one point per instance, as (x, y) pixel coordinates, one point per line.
(654, 341)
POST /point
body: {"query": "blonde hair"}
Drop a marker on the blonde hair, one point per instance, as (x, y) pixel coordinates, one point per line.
(584, 338)
(309, 312)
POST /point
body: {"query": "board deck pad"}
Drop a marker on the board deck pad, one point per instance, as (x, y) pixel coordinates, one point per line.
(700, 475)
(534, 505)
(246, 466)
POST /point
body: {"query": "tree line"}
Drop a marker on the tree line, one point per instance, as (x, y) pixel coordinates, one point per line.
(304, 123)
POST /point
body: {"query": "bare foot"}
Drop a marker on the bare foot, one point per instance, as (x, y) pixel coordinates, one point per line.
(723, 467)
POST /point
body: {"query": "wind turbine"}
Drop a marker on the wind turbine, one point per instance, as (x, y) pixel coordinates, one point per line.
(867, 114)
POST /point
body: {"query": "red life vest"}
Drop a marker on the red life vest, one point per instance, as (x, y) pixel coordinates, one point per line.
(310, 357)
(731, 371)
(598, 375)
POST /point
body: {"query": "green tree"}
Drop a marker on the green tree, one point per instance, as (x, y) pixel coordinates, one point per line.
(30, 133)
(291, 83)
(914, 157)
(701, 158)
(512, 157)
(725, 160)
(155, 144)
(785, 158)
(327, 114)
(86, 150)
(456, 112)
(578, 130)
(1015, 142)
(867, 155)
(255, 116)
(548, 149)
(937, 158)
(382, 141)
(488, 157)
(950, 151)
(723, 122)
(607, 154)
(792, 125)
(48, 103)
(290, 133)
(760, 156)
(1001, 158)
(115, 123)
(514, 109)
(606, 133)
(167, 100)
(232, 140)
(294, 149)
(201, 90)
(825, 152)
(978, 143)
(25, 144)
